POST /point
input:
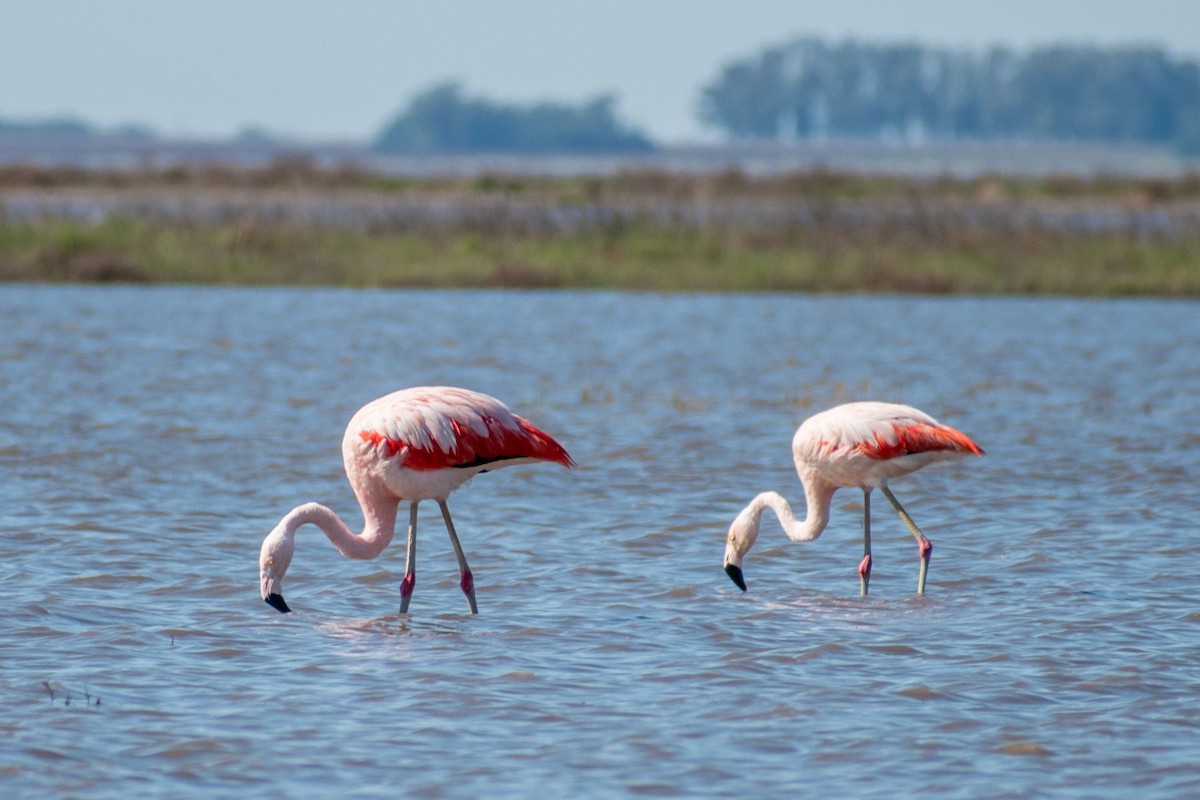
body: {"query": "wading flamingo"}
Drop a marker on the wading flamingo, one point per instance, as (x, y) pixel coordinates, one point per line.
(856, 444)
(415, 444)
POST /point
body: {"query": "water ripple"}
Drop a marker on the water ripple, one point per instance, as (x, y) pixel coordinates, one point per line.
(151, 437)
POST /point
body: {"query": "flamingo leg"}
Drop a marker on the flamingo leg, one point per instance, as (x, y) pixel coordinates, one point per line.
(467, 582)
(864, 567)
(924, 546)
(410, 560)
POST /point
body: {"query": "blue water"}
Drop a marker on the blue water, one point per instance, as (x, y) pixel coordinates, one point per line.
(150, 437)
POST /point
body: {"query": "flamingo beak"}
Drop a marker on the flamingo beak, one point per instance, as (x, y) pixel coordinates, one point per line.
(732, 570)
(276, 602)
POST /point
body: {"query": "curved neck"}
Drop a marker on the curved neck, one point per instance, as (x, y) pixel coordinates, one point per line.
(817, 498)
(376, 535)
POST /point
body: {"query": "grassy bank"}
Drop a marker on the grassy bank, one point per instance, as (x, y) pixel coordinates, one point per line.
(804, 232)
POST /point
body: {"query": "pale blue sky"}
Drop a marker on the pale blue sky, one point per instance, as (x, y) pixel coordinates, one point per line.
(322, 70)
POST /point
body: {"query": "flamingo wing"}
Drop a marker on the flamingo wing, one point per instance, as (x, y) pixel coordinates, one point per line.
(879, 431)
(430, 428)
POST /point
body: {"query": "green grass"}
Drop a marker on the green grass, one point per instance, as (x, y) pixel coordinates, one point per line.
(671, 259)
(936, 254)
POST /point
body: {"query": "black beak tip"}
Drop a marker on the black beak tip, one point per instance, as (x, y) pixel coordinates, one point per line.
(276, 602)
(735, 574)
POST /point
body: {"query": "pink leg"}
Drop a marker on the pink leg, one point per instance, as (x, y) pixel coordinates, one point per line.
(467, 582)
(410, 561)
(924, 546)
(925, 550)
(864, 566)
(864, 573)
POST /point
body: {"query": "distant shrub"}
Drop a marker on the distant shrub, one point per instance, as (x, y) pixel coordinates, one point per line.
(444, 120)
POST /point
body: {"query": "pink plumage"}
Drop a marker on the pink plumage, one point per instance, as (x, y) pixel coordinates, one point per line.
(860, 445)
(415, 444)
(431, 428)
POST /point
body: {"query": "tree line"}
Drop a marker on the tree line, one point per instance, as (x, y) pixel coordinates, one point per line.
(813, 89)
(444, 119)
(810, 88)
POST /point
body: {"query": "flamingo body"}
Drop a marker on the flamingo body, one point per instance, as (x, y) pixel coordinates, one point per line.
(415, 444)
(862, 445)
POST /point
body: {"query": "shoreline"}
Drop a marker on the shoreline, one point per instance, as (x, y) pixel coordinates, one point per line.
(812, 231)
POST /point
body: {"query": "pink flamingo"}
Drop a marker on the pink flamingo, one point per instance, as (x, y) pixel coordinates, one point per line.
(856, 444)
(415, 444)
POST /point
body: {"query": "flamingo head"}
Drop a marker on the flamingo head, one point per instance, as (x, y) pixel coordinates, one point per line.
(273, 561)
(742, 533)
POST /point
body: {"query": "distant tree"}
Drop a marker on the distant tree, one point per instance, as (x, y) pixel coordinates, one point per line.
(443, 120)
(134, 130)
(1125, 94)
(808, 88)
(749, 98)
(254, 133)
(57, 126)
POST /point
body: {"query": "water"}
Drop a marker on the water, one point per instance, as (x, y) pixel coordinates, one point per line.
(151, 437)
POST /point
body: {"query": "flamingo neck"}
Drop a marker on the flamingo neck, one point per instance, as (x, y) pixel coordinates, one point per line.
(817, 500)
(377, 533)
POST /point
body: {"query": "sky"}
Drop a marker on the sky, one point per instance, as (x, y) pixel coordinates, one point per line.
(341, 70)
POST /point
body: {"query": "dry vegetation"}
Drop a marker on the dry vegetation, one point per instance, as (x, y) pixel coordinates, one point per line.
(296, 224)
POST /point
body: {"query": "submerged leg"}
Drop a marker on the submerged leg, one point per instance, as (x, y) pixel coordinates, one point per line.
(864, 567)
(410, 560)
(924, 546)
(467, 582)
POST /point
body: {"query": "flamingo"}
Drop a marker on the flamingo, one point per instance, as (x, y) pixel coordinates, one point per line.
(415, 444)
(857, 444)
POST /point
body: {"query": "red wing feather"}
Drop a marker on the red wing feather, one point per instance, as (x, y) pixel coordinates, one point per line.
(918, 437)
(501, 443)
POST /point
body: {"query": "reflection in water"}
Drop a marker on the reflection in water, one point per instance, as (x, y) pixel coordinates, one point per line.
(150, 437)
